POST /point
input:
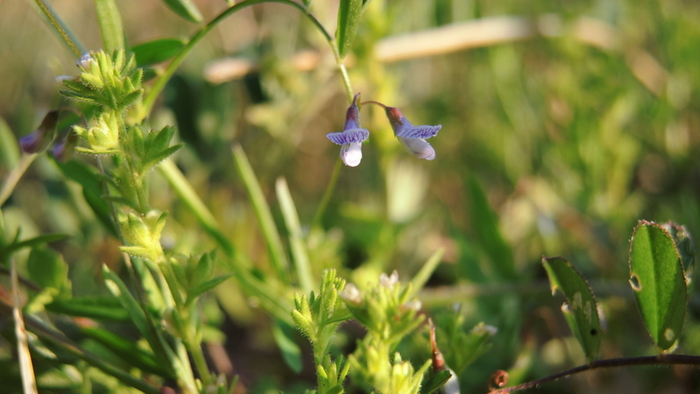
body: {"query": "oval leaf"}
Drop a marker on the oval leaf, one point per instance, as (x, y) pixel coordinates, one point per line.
(153, 52)
(185, 9)
(656, 276)
(580, 309)
(349, 14)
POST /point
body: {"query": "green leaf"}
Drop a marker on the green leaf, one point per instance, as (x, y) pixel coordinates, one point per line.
(486, 229)
(157, 51)
(186, 9)
(349, 13)
(110, 24)
(128, 350)
(46, 268)
(30, 243)
(656, 276)
(162, 155)
(9, 147)
(117, 287)
(92, 191)
(580, 309)
(208, 285)
(94, 307)
(291, 353)
(262, 211)
(434, 382)
(296, 236)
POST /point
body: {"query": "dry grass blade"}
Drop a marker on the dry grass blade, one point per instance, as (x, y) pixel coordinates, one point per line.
(25, 359)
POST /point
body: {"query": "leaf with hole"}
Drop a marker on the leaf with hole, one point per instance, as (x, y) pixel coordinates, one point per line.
(656, 276)
(580, 309)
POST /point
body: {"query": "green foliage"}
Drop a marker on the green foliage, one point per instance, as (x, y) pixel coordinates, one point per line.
(580, 308)
(110, 25)
(186, 9)
(656, 276)
(349, 14)
(156, 51)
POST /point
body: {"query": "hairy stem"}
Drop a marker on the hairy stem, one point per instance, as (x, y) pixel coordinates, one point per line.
(60, 28)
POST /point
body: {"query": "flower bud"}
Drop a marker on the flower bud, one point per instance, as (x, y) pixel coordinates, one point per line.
(42, 137)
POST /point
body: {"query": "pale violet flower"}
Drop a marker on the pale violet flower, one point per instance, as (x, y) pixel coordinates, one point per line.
(85, 61)
(42, 137)
(412, 137)
(351, 137)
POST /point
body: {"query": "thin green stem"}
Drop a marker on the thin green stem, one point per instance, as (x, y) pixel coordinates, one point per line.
(664, 359)
(327, 195)
(200, 362)
(160, 83)
(60, 28)
(9, 186)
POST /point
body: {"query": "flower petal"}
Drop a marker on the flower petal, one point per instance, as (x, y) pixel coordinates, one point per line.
(350, 136)
(351, 154)
(418, 131)
(418, 148)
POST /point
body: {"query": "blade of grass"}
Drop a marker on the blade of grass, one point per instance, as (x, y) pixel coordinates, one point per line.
(26, 367)
(296, 237)
(426, 271)
(262, 211)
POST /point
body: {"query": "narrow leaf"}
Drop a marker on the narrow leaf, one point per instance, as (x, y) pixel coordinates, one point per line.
(162, 155)
(296, 237)
(9, 147)
(32, 242)
(208, 285)
(110, 24)
(486, 229)
(94, 307)
(153, 52)
(186, 9)
(349, 13)
(291, 353)
(262, 211)
(580, 309)
(128, 350)
(656, 276)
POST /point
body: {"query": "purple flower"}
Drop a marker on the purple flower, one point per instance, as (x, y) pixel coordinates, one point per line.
(412, 137)
(42, 137)
(351, 137)
(64, 149)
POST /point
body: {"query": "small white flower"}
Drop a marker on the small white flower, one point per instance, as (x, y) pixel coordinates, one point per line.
(416, 305)
(351, 293)
(389, 281)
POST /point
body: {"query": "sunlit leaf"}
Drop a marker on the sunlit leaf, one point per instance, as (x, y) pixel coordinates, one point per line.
(110, 24)
(157, 51)
(656, 276)
(580, 309)
(349, 13)
(186, 9)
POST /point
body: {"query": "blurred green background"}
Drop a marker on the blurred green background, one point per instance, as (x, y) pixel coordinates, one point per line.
(569, 121)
